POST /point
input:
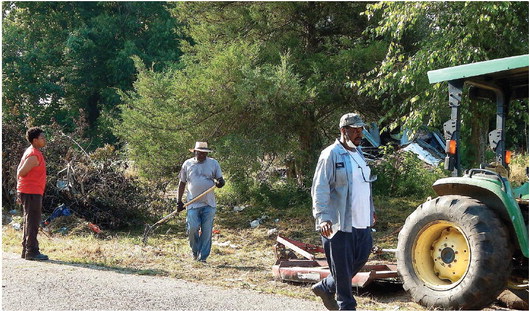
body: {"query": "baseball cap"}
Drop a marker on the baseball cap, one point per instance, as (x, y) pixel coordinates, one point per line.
(352, 120)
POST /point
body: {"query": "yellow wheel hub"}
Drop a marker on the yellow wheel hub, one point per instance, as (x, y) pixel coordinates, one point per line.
(450, 253)
(441, 254)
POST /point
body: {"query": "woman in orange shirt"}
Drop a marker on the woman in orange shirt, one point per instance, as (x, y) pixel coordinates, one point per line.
(31, 181)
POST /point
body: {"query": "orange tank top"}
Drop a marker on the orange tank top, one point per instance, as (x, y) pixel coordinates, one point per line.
(35, 181)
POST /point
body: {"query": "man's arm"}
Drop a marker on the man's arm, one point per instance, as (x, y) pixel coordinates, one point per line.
(219, 181)
(321, 193)
(181, 189)
(26, 166)
(321, 189)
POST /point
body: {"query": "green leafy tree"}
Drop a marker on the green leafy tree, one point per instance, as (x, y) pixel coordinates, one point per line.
(260, 80)
(60, 57)
(423, 36)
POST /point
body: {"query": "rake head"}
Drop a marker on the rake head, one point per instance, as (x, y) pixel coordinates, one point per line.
(148, 229)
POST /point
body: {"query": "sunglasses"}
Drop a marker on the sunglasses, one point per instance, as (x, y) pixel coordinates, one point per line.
(371, 178)
(355, 129)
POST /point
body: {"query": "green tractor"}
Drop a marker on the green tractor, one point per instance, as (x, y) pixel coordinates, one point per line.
(463, 248)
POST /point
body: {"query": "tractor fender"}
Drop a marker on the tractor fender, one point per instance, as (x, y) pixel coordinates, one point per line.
(490, 193)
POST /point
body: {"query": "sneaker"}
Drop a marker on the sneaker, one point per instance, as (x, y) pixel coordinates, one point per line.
(195, 256)
(37, 257)
(329, 301)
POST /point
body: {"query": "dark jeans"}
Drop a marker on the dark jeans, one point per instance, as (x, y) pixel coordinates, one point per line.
(347, 253)
(32, 207)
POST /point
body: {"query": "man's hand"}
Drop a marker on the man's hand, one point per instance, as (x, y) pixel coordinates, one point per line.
(179, 206)
(326, 228)
(220, 182)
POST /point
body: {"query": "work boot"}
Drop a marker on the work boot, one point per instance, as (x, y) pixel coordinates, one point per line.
(37, 257)
(329, 301)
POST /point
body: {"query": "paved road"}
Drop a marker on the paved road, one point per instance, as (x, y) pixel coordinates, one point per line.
(54, 285)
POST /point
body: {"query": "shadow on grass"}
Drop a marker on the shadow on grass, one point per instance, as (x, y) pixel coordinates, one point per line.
(384, 291)
(241, 268)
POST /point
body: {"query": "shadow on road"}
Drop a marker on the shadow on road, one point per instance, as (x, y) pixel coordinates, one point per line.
(157, 272)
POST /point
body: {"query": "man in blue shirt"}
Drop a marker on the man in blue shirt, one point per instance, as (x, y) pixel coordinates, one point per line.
(344, 212)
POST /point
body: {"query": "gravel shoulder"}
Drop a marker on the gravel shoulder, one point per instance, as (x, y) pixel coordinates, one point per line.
(56, 285)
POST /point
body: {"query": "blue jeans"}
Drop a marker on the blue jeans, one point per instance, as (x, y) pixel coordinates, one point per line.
(347, 253)
(200, 218)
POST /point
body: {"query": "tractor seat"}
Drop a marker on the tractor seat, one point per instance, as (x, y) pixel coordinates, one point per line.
(496, 167)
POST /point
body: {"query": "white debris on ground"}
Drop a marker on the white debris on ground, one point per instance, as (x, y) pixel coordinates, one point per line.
(255, 223)
(271, 232)
(239, 208)
(225, 244)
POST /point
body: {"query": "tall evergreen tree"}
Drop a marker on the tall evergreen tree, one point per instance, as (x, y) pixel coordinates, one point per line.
(261, 80)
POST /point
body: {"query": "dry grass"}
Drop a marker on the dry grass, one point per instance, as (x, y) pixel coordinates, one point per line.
(517, 168)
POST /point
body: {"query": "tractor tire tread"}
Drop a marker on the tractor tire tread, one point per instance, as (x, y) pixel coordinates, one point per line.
(488, 240)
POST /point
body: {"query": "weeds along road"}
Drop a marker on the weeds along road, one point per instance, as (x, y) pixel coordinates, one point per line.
(55, 285)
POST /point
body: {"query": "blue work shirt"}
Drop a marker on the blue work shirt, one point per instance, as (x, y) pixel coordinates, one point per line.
(331, 188)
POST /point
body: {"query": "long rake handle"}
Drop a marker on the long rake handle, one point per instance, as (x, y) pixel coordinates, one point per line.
(161, 221)
(149, 229)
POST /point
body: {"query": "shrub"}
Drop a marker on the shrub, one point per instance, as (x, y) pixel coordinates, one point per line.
(281, 195)
(402, 174)
(517, 167)
(272, 198)
(13, 145)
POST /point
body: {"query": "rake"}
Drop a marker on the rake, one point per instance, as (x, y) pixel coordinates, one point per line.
(150, 228)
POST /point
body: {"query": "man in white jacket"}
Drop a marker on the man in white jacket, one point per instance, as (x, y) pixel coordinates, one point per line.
(344, 212)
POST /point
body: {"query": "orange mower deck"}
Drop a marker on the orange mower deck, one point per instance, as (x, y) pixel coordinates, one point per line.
(312, 269)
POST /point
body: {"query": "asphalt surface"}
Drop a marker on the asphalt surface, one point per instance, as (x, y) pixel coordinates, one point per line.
(55, 285)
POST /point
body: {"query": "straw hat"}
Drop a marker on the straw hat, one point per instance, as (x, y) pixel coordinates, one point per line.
(201, 146)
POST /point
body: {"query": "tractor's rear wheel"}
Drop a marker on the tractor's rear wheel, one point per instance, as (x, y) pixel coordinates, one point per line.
(454, 252)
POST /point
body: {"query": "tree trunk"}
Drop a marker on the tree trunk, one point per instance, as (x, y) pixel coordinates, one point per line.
(307, 156)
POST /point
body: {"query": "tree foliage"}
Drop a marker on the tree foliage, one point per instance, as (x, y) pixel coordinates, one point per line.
(260, 81)
(263, 82)
(423, 36)
(59, 57)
